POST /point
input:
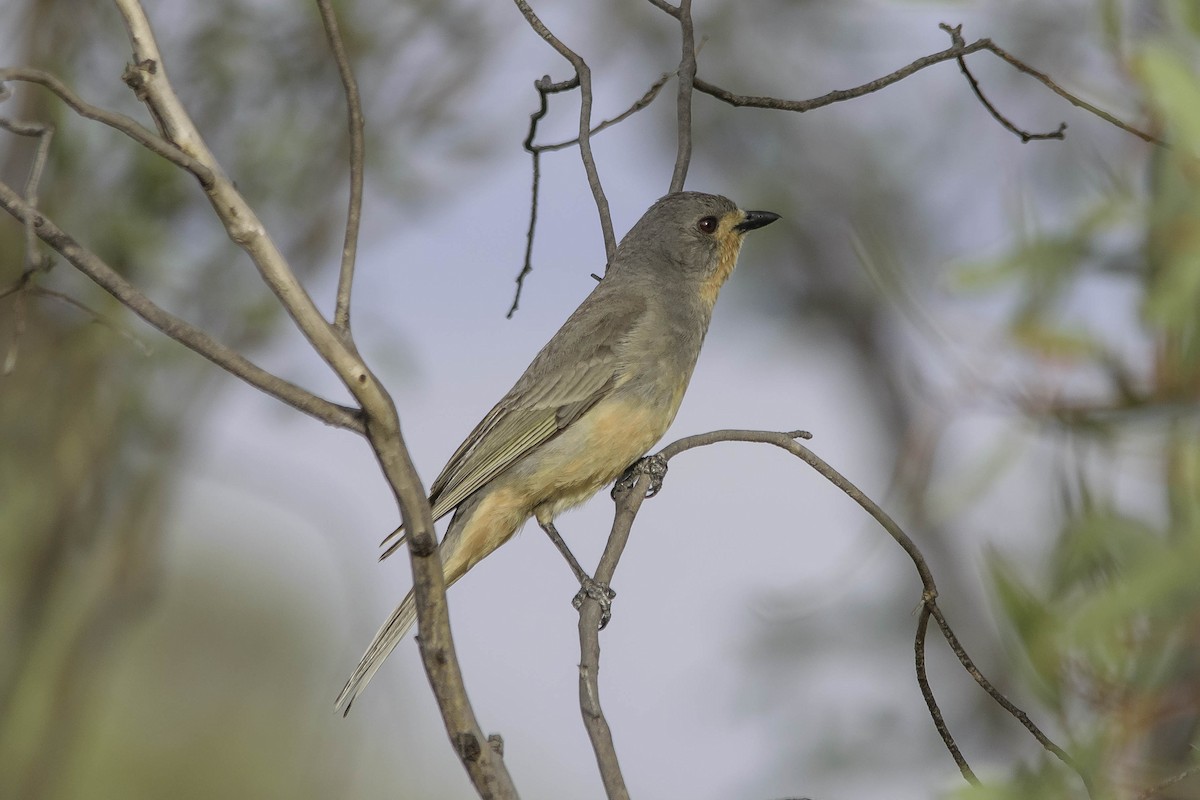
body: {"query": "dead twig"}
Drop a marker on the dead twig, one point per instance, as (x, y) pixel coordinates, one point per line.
(584, 74)
(546, 87)
(181, 331)
(341, 314)
(629, 502)
(126, 125)
(959, 50)
(683, 104)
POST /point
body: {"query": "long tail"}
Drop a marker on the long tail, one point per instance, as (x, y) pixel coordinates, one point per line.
(385, 641)
(402, 619)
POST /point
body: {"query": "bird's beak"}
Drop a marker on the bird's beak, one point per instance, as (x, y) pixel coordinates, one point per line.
(755, 219)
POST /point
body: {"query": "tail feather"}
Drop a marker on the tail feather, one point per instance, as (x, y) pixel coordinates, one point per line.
(385, 641)
(396, 545)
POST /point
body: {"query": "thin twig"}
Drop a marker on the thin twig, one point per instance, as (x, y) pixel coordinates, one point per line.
(683, 103)
(1163, 785)
(939, 721)
(1049, 83)
(969, 665)
(957, 51)
(148, 78)
(643, 101)
(840, 95)
(628, 502)
(97, 317)
(787, 441)
(667, 7)
(14, 346)
(341, 314)
(1025, 136)
(126, 125)
(44, 133)
(183, 332)
(584, 73)
(545, 87)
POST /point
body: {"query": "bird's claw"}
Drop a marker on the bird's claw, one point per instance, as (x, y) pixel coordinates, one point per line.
(601, 593)
(654, 466)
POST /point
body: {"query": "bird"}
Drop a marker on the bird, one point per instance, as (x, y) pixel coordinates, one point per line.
(598, 396)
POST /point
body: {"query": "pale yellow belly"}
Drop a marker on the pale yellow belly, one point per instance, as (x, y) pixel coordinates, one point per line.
(563, 473)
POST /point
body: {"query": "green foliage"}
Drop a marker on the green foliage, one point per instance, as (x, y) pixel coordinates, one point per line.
(1106, 633)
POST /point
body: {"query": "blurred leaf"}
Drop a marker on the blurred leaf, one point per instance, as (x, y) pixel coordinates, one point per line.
(1112, 18)
(1173, 246)
(1188, 13)
(1046, 780)
(1044, 264)
(1038, 336)
(1035, 626)
(1173, 90)
(1044, 260)
(1183, 482)
(1096, 548)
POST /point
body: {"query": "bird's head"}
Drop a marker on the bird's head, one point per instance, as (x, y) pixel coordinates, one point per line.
(690, 239)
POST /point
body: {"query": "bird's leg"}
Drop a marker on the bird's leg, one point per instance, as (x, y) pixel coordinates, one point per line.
(655, 466)
(590, 587)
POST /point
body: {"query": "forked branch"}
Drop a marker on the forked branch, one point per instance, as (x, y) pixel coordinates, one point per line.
(181, 331)
(583, 74)
(179, 141)
(545, 87)
(959, 50)
(627, 505)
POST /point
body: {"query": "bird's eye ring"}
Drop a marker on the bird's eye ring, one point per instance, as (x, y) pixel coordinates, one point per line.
(707, 224)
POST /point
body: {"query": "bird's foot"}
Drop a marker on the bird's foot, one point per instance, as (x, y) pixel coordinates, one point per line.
(601, 593)
(655, 466)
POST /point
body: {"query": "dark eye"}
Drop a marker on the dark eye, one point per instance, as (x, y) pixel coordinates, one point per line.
(707, 224)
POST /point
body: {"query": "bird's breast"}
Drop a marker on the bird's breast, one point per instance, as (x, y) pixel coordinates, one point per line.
(595, 449)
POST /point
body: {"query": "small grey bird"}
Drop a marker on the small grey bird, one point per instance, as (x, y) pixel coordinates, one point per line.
(597, 397)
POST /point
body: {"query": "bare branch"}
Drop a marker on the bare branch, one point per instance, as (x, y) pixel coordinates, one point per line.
(148, 78)
(840, 95)
(786, 441)
(1162, 786)
(643, 101)
(939, 721)
(956, 52)
(183, 332)
(44, 135)
(969, 665)
(545, 87)
(1021, 66)
(126, 125)
(380, 422)
(628, 502)
(683, 104)
(667, 7)
(1024, 135)
(96, 316)
(584, 74)
(341, 314)
(14, 346)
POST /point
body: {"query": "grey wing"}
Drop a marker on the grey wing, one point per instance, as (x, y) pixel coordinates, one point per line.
(516, 427)
(575, 370)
